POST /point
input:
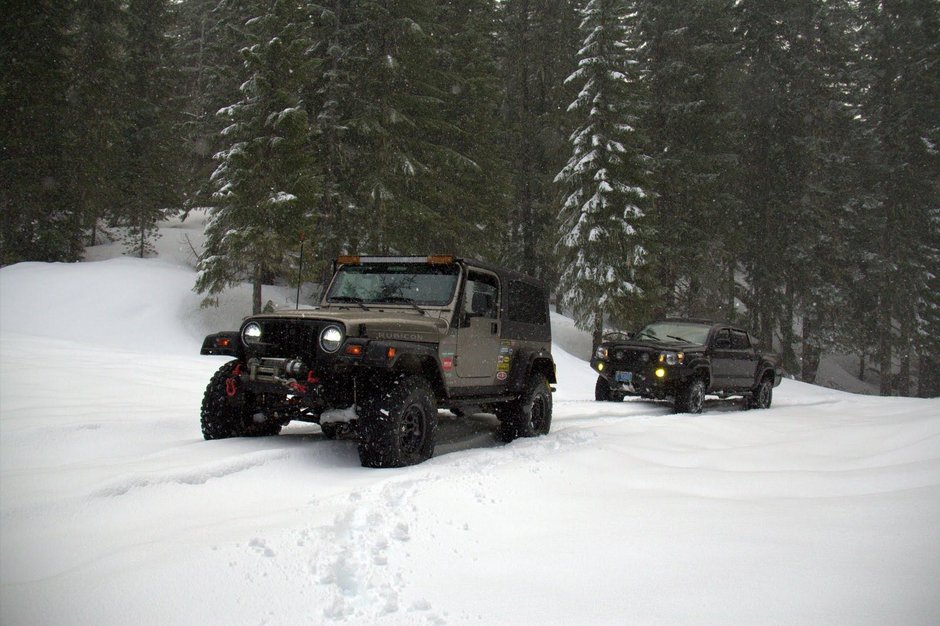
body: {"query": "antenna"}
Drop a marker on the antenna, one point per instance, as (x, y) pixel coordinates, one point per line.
(300, 270)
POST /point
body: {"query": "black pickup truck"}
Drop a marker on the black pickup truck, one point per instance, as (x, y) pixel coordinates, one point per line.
(683, 360)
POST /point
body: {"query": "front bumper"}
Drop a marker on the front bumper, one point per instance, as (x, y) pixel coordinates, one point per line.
(651, 379)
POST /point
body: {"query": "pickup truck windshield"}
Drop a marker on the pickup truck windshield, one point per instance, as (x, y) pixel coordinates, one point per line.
(408, 284)
(675, 331)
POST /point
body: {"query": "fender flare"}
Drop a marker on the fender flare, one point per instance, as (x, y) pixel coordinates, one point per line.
(527, 361)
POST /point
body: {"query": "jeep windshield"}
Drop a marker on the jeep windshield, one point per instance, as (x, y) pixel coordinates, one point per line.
(410, 284)
(686, 332)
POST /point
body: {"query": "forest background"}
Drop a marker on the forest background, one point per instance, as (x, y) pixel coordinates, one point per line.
(774, 164)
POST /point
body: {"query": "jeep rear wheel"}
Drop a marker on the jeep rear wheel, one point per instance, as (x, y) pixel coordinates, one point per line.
(228, 411)
(530, 415)
(691, 397)
(397, 425)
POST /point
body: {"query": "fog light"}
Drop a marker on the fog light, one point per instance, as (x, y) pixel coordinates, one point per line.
(660, 372)
(600, 367)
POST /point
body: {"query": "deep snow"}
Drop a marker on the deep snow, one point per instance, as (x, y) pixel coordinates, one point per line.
(824, 509)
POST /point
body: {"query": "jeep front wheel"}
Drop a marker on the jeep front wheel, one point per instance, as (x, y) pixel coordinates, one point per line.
(398, 424)
(228, 411)
(530, 415)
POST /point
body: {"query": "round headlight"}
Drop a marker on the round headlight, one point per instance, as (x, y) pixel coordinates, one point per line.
(601, 352)
(251, 333)
(331, 338)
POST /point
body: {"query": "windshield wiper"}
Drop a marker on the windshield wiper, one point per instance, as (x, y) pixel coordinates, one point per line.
(352, 299)
(394, 299)
(679, 339)
(650, 335)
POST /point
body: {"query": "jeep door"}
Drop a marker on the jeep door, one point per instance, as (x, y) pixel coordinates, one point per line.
(478, 335)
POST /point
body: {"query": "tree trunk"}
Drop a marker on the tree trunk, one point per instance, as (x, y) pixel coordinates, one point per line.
(597, 337)
(811, 354)
(904, 354)
(256, 291)
(884, 349)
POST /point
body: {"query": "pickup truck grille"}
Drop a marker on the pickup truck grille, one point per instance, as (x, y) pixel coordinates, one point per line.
(624, 358)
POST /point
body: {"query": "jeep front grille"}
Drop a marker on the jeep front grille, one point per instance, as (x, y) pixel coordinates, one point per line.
(288, 339)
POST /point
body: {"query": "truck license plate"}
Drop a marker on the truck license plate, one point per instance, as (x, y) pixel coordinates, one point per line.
(624, 377)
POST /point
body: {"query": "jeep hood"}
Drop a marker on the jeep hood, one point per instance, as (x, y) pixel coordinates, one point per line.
(398, 324)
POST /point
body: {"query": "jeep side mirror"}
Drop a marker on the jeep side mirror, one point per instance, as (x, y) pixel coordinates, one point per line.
(481, 305)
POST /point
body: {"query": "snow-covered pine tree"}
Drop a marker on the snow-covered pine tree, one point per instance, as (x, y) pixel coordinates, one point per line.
(600, 227)
(690, 119)
(392, 114)
(265, 182)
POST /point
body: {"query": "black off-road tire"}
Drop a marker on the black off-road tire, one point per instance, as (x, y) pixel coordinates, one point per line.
(330, 430)
(603, 392)
(530, 415)
(223, 416)
(762, 395)
(691, 397)
(398, 424)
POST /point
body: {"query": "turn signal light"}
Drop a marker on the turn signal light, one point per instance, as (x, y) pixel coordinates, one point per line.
(440, 259)
(391, 353)
(223, 342)
(354, 349)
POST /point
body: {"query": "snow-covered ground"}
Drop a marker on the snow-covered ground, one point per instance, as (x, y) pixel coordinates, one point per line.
(824, 509)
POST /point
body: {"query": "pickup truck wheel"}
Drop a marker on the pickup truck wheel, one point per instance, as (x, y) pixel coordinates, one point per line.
(227, 411)
(530, 415)
(762, 395)
(397, 425)
(603, 392)
(691, 397)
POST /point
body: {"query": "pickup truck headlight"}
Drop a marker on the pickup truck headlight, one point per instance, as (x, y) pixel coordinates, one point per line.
(331, 338)
(671, 358)
(601, 352)
(251, 333)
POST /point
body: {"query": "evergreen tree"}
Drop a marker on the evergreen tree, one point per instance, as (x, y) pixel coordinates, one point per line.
(209, 34)
(693, 128)
(473, 194)
(152, 169)
(902, 109)
(600, 245)
(98, 111)
(36, 222)
(539, 44)
(264, 182)
(769, 189)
